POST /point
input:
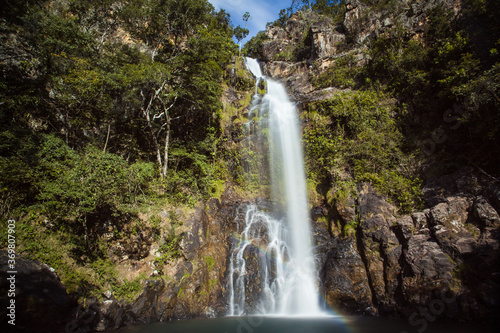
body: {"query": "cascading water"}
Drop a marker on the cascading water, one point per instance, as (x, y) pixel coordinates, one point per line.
(276, 254)
(260, 231)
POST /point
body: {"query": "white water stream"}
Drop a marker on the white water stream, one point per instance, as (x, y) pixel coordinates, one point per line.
(287, 272)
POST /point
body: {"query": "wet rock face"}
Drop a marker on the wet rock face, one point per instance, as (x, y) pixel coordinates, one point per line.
(253, 284)
(448, 253)
(380, 247)
(344, 279)
(197, 287)
(193, 239)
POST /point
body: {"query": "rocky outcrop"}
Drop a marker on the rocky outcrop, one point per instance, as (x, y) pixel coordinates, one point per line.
(446, 255)
(344, 280)
(282, 41)
(361, 22)
(379, 245)
(308, 43)
(195, 287)
(316, 35)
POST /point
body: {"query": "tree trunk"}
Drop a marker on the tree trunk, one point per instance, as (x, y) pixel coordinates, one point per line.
(157, 148)
(86, 236)
(155, 145)
(165, 157)
(146, 112)
(107, 138)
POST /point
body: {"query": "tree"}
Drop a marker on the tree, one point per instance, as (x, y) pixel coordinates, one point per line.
(164, 24)
(299, 4)
(100, 18)
(240, 33)
(136, 100)
(181, 82)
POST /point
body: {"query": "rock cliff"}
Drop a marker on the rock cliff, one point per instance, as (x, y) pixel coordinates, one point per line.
(393, 265)
(443, 258)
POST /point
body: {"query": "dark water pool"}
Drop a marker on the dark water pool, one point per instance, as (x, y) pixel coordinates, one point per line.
(297, 324)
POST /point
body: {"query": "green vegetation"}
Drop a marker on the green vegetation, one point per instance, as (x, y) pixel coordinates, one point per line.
(356, 131)
(253, 48)
(169, 248)
(209, 261)
(342, 74)
(448, 82)
(330, 8)
(349, 229)
(91, 111)
(417, 100)
(107, 111)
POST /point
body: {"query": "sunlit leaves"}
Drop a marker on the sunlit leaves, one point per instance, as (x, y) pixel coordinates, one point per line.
(357, 132)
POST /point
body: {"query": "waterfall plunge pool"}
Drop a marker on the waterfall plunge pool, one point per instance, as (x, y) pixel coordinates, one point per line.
(291, 300)
(297, 324)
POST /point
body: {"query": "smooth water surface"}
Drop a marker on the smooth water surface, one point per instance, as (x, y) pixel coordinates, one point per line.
(303, 325)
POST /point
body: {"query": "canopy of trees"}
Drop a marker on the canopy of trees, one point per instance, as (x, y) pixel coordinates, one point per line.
(100, 97)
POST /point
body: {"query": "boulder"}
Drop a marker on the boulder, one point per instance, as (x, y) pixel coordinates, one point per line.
(380, 246)
(485, 214)
(344, 278)
(41, 301)
(111, 316)
(429, 276)
(449, 226)
(404, 228)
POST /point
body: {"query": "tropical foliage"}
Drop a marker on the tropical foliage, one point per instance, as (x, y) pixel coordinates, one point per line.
(107, 107)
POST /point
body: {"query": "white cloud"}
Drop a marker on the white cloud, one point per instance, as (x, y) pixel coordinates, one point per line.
(260, 16)
(226, 4)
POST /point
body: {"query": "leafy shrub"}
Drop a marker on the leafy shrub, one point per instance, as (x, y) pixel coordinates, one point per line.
(357, 131)
(342, 74)
(170, 247)
(253, 48)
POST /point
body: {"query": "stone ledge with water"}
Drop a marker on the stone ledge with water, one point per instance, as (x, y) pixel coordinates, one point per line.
(272, 269)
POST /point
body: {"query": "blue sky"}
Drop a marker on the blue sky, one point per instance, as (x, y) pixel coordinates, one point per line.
(261, 12)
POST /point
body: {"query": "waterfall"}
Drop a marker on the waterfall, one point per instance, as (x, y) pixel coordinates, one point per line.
(272, 269)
